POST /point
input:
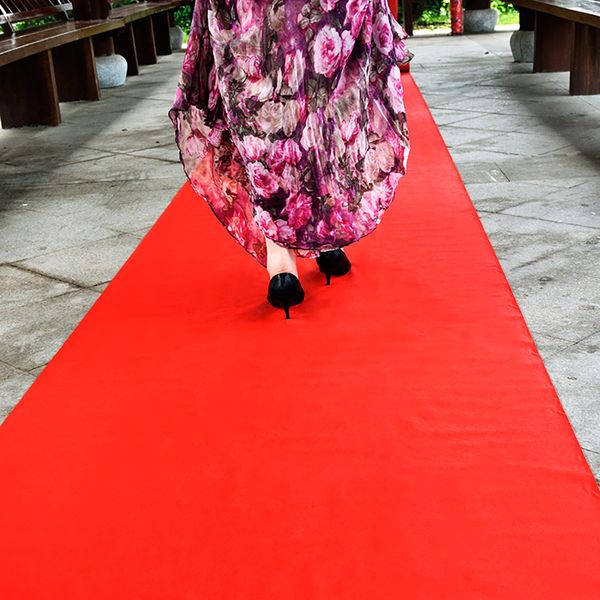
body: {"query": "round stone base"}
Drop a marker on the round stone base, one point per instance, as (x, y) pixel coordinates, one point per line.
(177, 36)
(480, 21)
(111, 70)
(521, 45)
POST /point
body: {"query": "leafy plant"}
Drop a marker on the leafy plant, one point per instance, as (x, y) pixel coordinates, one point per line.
(21, 25)
(433, 14)
(183, 18)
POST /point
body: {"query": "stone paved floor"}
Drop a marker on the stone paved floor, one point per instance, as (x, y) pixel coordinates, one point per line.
(75, 201)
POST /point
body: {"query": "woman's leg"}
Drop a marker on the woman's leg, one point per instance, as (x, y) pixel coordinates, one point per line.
(280, 259)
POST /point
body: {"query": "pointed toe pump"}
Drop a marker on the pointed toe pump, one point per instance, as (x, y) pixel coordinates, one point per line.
(333, 262)
(285, 290)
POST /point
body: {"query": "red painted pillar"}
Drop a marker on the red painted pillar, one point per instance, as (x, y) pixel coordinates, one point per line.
(456, 22)
(393, 4)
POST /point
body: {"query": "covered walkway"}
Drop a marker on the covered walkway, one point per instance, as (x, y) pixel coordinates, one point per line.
(76, 200)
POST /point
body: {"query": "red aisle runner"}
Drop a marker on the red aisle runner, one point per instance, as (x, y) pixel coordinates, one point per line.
(398, 438)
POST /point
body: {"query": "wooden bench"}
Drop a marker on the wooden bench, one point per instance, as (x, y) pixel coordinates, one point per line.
(567, 38)
(47, 64)
(146, 34)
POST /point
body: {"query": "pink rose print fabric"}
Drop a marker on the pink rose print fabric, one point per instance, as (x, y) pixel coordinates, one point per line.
(290, 120)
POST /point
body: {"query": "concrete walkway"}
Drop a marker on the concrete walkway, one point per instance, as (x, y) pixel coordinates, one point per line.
(75, 201)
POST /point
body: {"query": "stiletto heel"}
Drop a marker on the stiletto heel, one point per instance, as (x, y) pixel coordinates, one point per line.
(333, 262)
(285, 290)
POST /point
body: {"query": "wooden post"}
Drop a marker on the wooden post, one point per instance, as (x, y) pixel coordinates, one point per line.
(393, 4)
(585, 63)
(456, 21)
(90, 10)
(29, 93)
(553, 43)
(75, 71)
(407, 16)
(125, 46)
(526, 18)
(162, 33)
(145, 42)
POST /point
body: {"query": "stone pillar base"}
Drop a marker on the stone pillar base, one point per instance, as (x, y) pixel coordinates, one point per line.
(480, 21)
(111, 70)
(521, 45)
(177, 36)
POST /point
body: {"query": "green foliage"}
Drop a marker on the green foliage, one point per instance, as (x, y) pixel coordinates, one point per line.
(21, 25)
(433, 14)
(430, 14)
(183, 18)
(504, 8)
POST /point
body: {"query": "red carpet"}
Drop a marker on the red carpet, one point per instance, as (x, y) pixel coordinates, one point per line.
(397, 438)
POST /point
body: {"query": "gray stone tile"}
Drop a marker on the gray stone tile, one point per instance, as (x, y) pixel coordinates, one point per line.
(141, 233)
(593, 100)
(125, 141)
(164, 184)
(41, 189)
(503, 195)
(19, 287)
(27, 233)
(454, 135)
(526, 78)
(559, 293)
(168, 152)
(467, 155)
(111, 168)
(33, 333)
(52, 202)
(136, 113)
(13, 385)
(541, 91)
(522, 143)
(593, 460)
(130, 211)
(498, 122)
(548, 346)
(483, 105)
(24, 160)
(88, 264)
(119, 167)
(549, 167)
(449, 116)
(521, 241)
(575, 373)
(36, 372)
(481, 172)
(578, 205)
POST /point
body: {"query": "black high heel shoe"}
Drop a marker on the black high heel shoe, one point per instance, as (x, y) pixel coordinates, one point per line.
(333, 262)
(285, 290)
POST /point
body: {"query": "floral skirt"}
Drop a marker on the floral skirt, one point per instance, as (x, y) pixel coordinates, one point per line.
(289, 118)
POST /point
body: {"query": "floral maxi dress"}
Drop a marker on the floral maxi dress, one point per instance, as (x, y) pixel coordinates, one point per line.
(290, 121)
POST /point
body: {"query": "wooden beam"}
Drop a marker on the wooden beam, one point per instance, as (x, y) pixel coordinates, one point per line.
(75, 71)
(553, 43)
(144, 41)
(407, 16)
(125, 46)
(89, 10)
(162, 33)
(585, 64)
(29, 93)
